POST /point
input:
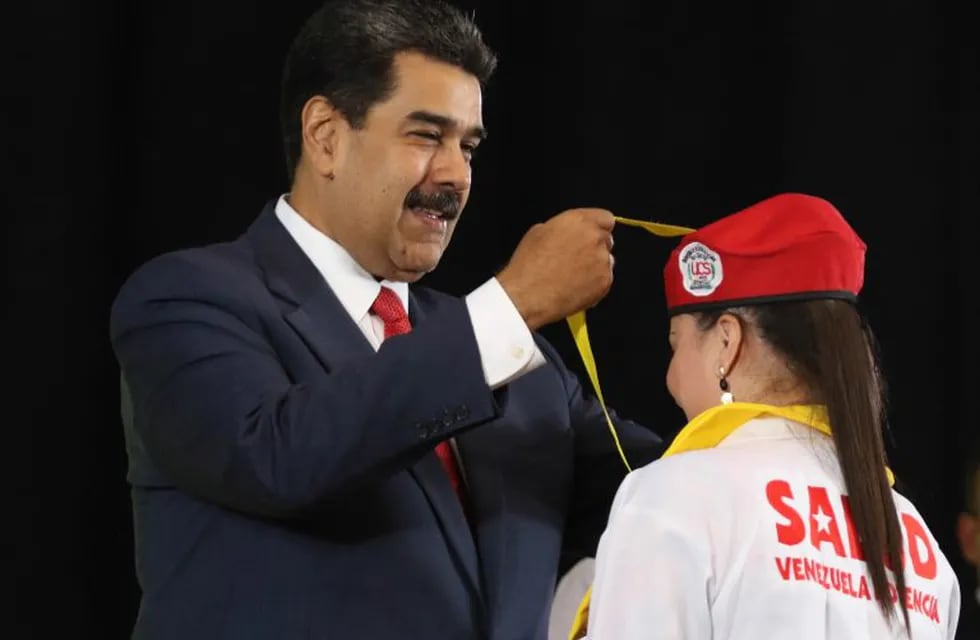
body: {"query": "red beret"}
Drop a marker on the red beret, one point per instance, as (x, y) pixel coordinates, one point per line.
(788, 247)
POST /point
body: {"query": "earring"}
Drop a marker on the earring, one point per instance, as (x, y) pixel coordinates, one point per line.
(726, 395)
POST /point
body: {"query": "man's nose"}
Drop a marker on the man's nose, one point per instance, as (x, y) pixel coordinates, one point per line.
(451, 168)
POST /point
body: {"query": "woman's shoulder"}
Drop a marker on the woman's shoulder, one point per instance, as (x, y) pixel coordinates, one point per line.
(684, 483)
(717, 480)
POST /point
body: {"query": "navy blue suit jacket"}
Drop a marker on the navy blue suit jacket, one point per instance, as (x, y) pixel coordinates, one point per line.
(283, 478)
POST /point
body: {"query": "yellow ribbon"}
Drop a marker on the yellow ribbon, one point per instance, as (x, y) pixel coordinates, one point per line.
(580, 333)
(707, 430)
(580, 330)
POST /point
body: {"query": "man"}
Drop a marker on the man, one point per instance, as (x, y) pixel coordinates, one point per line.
(320, 450)
(968, 532)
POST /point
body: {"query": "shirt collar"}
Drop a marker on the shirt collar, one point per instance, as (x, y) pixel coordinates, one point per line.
(354, 287)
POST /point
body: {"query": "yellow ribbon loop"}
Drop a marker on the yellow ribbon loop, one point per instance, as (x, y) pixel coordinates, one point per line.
(656, 228)
(580, 330)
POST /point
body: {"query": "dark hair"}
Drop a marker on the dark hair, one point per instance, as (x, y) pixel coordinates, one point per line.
(830, 348)
(972, 475)
(346, 49)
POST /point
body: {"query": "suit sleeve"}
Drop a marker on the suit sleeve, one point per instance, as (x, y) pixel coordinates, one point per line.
(221, 418)
(599, 469)
(652, 579)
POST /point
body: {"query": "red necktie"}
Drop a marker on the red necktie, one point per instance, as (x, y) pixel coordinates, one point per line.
(388, 307)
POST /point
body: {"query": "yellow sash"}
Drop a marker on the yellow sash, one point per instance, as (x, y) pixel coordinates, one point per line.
(580, 330)
(707, 430)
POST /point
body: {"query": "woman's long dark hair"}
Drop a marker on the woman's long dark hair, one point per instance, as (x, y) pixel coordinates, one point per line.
(829, 347)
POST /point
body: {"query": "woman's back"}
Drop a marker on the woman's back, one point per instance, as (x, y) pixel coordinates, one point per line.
(752, 540)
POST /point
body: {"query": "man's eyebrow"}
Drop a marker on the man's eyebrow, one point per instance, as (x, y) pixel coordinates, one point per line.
(445, 122)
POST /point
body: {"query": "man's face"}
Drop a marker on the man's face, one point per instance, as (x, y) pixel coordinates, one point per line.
(968, 529)
(401, 181)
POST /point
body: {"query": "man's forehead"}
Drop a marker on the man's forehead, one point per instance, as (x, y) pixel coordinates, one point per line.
(424, 83)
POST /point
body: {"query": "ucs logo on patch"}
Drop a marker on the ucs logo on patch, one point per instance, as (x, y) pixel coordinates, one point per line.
(700, 269)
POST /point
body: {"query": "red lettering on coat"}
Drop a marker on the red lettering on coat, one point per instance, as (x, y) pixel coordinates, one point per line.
(778, 491)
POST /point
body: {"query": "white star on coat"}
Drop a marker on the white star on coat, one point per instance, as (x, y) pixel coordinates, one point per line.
(823, 520)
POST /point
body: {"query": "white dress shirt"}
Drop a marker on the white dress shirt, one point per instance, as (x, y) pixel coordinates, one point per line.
(750, 541)
(506, 347)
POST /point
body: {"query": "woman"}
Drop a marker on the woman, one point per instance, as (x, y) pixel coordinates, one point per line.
(771, 514)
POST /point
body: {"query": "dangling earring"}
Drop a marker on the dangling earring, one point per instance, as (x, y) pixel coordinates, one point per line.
(726, 395)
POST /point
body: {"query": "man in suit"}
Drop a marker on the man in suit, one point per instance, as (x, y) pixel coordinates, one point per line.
(968, 532)
(321, 449)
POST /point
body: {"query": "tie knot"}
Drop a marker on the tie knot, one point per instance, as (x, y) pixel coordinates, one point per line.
(388, 307)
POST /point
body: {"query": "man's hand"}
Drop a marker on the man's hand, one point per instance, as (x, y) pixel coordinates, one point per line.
(561, 266)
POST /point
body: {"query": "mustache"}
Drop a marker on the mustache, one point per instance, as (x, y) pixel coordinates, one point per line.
(445, 203)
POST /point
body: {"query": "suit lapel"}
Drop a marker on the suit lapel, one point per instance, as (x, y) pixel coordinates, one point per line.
(327, 329)
(485, 487)
(312, 308)
(316, 314)
(431, 477)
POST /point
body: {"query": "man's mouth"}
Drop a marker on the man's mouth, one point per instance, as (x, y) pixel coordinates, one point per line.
(440, 206)
(433, 219)
(433, 214)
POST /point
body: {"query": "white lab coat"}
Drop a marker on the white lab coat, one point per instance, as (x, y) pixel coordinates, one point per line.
(719, 543)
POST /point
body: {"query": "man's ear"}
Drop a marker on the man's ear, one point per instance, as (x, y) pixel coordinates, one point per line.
(321, 123)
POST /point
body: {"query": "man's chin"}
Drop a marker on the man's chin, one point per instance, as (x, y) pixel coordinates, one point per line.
(414, 270)
(409, 276)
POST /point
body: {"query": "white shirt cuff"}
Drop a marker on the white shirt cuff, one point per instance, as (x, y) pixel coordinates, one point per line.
(507, 350)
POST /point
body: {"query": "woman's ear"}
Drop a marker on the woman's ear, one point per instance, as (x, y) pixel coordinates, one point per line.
(730, 336)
